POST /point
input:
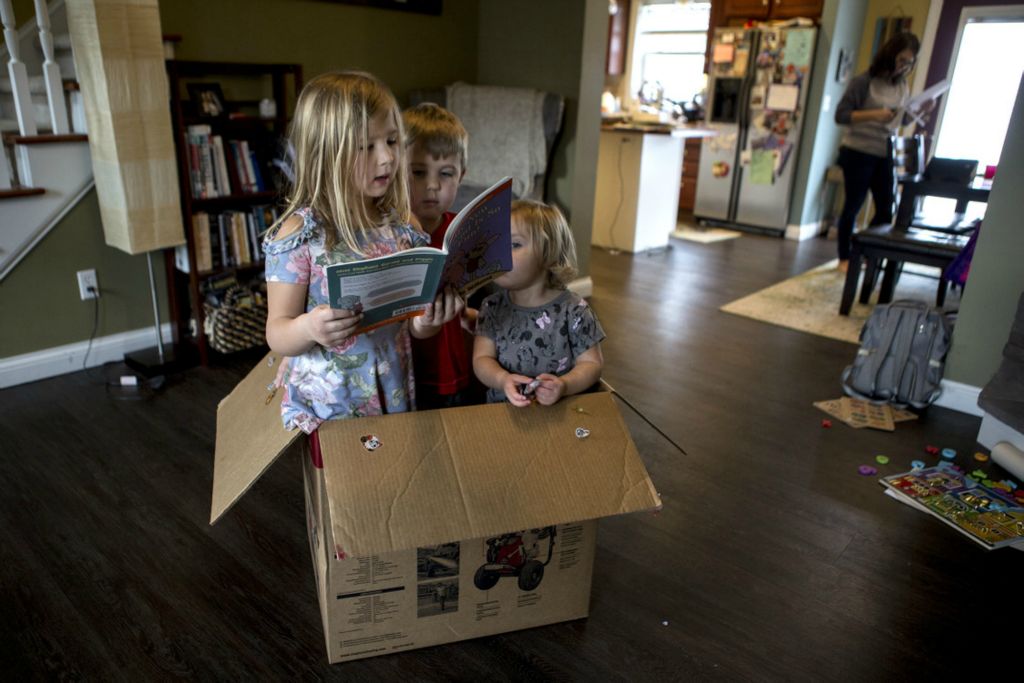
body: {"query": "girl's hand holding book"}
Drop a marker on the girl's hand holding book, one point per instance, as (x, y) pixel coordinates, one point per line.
(331, 326)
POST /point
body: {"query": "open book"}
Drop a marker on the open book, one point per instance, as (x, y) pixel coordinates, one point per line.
(477, 248)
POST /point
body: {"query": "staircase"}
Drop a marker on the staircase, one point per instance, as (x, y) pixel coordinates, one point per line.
(45, 165)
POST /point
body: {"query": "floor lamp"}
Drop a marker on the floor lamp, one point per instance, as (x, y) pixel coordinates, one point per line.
(161, 359)
(124, 88)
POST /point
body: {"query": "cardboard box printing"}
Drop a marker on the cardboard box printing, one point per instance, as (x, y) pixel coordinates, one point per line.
(437, 526)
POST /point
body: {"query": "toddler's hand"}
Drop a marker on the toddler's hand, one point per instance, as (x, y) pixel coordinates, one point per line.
(331, 326)
(511, 387)
(551, 389)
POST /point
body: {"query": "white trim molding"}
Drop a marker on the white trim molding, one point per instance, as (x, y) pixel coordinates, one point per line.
(961, 397)
(60, 360)
(582, 287)
(802, 232)
(993, 430)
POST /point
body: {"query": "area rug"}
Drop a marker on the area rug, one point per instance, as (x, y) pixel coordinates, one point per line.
(703, 235)
(809, 302)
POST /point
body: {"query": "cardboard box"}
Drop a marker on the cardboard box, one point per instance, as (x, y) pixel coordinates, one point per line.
(437, 526)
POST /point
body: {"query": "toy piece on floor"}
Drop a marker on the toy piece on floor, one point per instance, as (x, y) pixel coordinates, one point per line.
(882, 459)
(858, 413)
(867, 470)
(981, 457)
(826, 423)
(931, 450)
(948, 453)
(917, 465)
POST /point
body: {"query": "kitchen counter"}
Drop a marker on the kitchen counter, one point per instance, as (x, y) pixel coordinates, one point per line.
(636, 204)
(683, 130)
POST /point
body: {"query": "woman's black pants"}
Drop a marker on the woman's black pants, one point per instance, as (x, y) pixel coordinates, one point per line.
(862, 172)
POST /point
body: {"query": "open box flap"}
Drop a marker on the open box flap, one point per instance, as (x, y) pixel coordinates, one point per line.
(250, 436)
(447, 475)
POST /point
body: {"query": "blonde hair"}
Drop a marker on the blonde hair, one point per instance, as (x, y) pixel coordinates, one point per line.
(438, 131)
(551, 237)
(329, 132)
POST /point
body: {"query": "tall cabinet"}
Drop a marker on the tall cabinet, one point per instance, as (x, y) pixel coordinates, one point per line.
(229, 120)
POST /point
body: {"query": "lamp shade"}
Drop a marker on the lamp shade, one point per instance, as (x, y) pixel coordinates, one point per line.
(119, 58)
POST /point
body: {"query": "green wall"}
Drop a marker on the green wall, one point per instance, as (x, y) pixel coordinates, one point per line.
(997, 270)
(842, 24)
(24, 10)
(550, 46)
(407, 50)
(41, 293)
(556, 46)
(404, 49)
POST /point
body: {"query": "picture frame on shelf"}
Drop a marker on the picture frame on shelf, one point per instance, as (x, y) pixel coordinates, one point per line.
(207, 98)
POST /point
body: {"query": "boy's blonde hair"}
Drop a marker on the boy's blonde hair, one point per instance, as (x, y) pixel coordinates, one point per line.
(438, 131)
(551, 237)
(329, 131)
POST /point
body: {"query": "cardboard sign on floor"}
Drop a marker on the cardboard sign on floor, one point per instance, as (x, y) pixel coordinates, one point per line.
(858, 413)
(436, 526)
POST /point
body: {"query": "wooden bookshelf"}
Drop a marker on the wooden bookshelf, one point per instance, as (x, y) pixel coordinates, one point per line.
(239, 120)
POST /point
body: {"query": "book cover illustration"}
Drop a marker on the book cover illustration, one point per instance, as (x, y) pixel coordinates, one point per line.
(479, 241)
(987, 515)
(477, 248)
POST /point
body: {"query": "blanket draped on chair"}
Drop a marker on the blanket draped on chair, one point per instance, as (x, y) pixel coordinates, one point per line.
(514, 140)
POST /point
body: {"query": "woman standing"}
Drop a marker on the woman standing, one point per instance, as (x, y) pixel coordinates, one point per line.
(872, 108)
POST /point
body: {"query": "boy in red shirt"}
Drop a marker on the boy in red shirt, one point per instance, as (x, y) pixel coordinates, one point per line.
(436, 142)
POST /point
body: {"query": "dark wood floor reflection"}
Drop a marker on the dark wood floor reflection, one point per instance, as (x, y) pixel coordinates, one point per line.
(772, 558)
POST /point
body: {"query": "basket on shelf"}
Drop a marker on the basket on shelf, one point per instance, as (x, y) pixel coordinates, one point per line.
(238, 322)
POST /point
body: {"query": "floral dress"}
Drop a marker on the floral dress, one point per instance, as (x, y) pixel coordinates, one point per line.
(369, 373)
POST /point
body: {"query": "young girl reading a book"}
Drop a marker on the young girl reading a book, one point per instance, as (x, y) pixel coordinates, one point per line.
(536, 339)
(349, 201)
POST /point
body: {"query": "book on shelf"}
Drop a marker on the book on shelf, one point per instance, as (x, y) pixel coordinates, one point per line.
(223, 178)
(230, 238)
(201, 241)
(219, 168)
(987, 514)
(477, 248)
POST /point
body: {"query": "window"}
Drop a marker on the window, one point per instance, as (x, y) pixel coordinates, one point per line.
(985, 71)
(669, 46)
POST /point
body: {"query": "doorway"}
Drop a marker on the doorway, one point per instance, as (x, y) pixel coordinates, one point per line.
(984, 74)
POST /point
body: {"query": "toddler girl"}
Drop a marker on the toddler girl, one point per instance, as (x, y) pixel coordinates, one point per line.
(535, 338)
(349, 201)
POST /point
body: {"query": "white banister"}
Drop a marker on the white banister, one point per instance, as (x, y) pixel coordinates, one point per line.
(16, 72)
(51, 71)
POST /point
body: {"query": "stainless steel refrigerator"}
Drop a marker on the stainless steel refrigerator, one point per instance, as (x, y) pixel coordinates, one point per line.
(757, 90)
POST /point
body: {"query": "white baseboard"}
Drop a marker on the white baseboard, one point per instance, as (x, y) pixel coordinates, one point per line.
(993, 430)
(803, 232)
(582, 286)
(59, 360)
(959, 396)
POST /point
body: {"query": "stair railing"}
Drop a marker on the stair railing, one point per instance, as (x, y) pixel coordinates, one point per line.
(51, 71)
(17, 72)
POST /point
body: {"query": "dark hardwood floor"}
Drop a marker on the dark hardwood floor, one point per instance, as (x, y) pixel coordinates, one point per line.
(772, 559)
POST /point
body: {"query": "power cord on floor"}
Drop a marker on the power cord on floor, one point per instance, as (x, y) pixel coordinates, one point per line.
(128, 387)
(613, 250)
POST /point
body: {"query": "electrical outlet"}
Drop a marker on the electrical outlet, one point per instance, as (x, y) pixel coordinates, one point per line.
(87, 281)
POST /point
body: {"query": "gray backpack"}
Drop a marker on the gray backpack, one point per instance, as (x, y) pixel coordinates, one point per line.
(902, 354)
